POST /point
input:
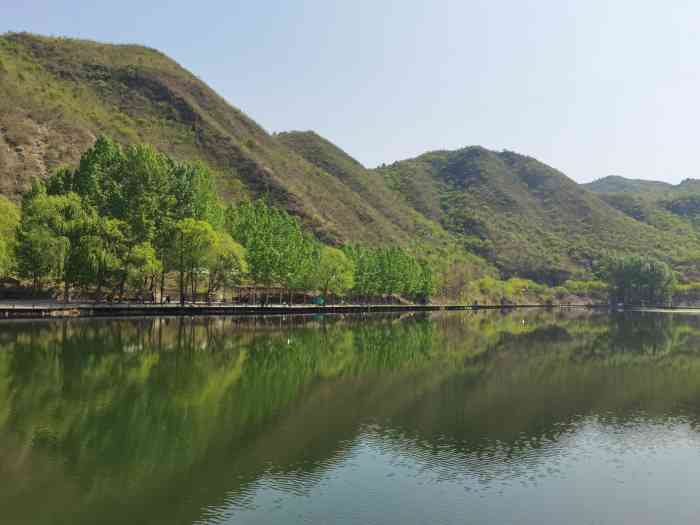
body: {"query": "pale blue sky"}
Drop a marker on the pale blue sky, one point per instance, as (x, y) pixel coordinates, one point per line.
(590, 87)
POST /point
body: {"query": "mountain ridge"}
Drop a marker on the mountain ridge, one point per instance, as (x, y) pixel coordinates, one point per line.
(477, 208)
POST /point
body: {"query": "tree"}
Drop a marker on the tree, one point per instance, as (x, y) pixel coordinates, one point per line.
(143, 267)
(226, 263)
(99, 254)
(390, 270)
(9, 219)
(278, 250)
(48, 237)
(6, 259)
(636, 279)
(144, 189)
(191, 250)
(130, 216)
(426, 283)
(366, 270)
(335, 271)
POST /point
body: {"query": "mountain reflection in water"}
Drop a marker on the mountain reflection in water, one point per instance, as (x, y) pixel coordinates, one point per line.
(527, 417)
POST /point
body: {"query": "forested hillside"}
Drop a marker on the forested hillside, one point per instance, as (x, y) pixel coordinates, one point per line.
(472, 214)
(671, 209)
(526, 217)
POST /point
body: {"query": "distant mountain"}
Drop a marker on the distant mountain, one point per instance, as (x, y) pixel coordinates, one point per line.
(527, 217)
(671, 209)
(617, 184)
(473, 207)
(645, 188)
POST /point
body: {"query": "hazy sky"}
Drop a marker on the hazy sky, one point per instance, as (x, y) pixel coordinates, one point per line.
(590, 87)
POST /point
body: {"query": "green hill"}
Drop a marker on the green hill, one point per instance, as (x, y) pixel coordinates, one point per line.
(671, 209)
(57, 95)
(527, 217)
(473, 209)
(383, 206)
(617, 184)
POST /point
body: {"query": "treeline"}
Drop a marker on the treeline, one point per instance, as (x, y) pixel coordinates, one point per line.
(133, 222)
(128, 221)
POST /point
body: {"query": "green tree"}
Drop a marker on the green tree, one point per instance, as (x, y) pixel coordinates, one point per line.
(9, 219)
(99, 253)
(192, 246)
(6, 257)
(335, 271)
(226, 263)
(143, 268)
(147, 191)
(49, 237)
(367, 270)
(636, 279)
(426, 283)
(278, 250)
(40, 255)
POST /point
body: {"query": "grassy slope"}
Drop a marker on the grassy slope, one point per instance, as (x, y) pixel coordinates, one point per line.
(384, 206)
(56, 95)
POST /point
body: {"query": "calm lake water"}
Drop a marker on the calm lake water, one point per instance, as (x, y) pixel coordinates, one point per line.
(528, 417)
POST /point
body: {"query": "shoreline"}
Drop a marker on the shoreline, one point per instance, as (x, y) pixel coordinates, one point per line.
(58, 310)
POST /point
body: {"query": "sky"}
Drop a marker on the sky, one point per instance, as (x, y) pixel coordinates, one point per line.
(591, 87)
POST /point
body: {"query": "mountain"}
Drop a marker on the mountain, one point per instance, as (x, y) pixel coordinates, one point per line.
(472, 210)
(525, 216)
(57, 95)
(614, 184)
(674, 210)
(617, 184)
(383, 205)
(649, 201)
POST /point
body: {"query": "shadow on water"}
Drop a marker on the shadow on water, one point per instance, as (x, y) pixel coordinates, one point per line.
(163, 420)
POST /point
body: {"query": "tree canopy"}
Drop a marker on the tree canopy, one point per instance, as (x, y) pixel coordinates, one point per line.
(637, 279)
(125, 219)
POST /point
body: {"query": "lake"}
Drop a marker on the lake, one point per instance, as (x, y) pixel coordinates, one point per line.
(528, 417)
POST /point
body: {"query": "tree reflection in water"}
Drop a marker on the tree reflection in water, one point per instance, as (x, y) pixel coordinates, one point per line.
(161, 419)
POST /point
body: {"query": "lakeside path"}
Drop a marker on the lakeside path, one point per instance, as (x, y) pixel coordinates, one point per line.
(52, 309)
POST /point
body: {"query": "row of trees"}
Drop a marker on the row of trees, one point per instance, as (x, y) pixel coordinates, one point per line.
(128, 220)
(133, 221)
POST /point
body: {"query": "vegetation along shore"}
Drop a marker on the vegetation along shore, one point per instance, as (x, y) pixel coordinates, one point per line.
(126, 178)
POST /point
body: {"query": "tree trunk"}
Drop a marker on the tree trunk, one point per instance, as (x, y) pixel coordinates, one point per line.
(182, 287)
(152, 289)
(98, 292)
(122, 284)
(192, 292)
